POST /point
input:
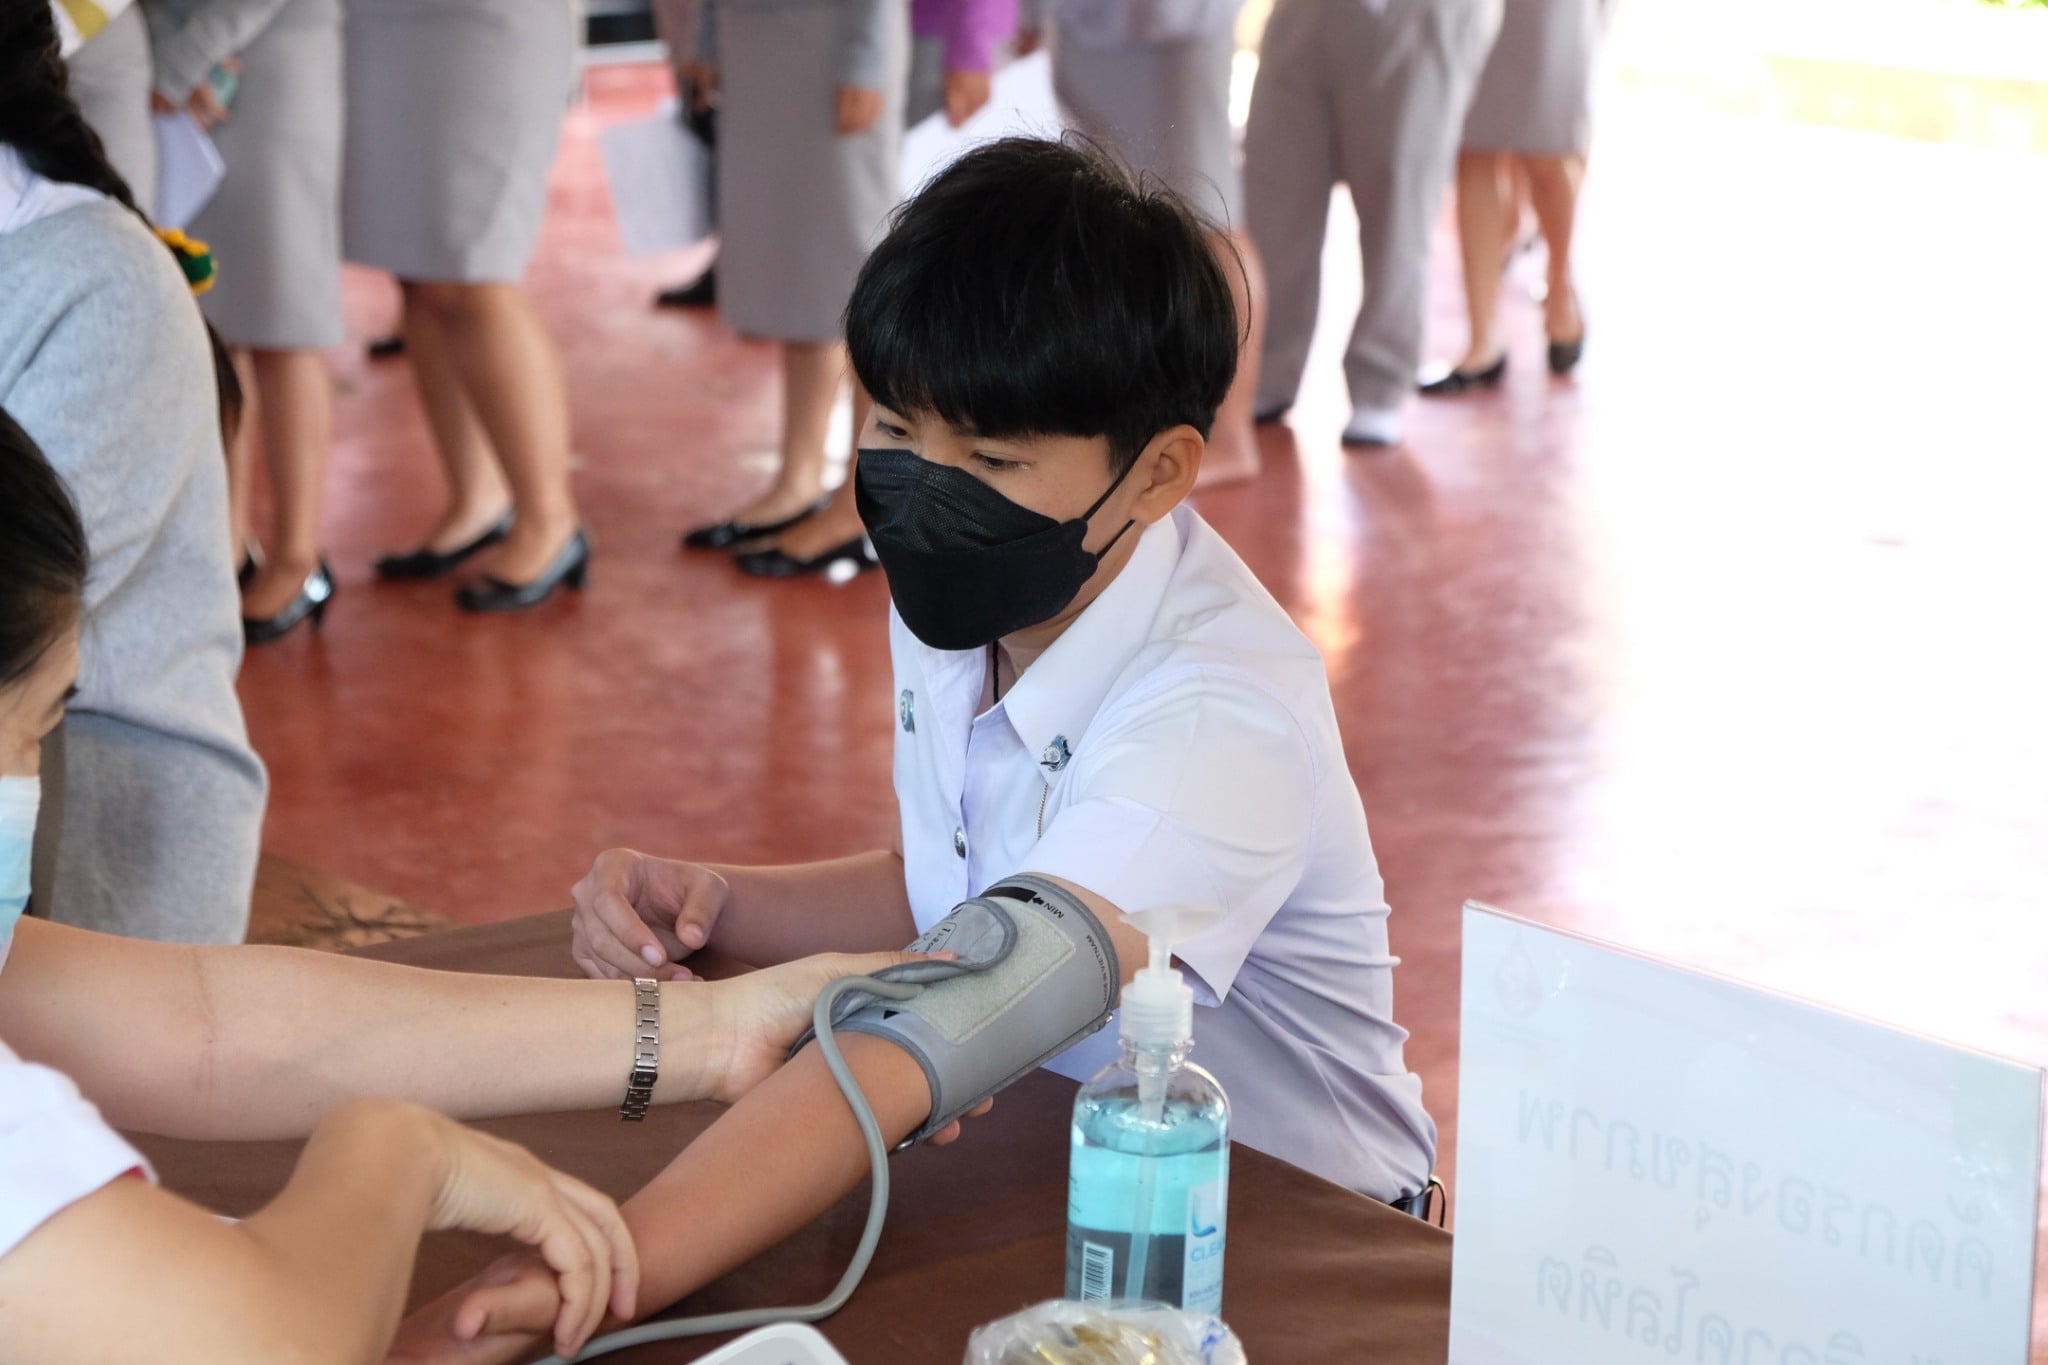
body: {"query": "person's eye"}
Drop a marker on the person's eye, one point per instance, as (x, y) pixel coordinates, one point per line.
(892, 431)
(994, 465)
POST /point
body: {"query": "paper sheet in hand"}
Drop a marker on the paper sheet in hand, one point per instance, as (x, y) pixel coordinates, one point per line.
(1655, 1164)
(189, 170)
(660, 179)
(1020, 102)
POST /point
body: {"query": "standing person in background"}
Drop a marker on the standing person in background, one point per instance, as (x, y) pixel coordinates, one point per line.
(675, 21)
(155, 799)
(1151, 82)
(1371, 93)
(1534, 113)
(105, 43)
(454, 108)
(810, 124)
(955, 46)
(276, 222)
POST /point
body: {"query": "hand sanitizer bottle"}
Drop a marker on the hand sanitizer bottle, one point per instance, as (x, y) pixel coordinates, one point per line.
(1150, 1172)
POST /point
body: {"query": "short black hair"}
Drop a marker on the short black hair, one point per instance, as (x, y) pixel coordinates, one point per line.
(42, 554)
(1037, 288)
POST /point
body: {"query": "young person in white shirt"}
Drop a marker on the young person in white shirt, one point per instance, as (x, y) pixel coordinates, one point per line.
(1090, 686)
(229, 1041)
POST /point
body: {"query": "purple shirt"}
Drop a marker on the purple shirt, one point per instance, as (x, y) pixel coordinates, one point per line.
(971, 29)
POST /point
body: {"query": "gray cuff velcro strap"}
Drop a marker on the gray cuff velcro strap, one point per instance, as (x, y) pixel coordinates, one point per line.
(1037, 973)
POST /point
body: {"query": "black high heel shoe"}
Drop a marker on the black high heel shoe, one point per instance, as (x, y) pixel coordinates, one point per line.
(251, 565)
(1565, 355)
(724, 535)
(779, 563)
(571, 566)
(424, 563)
(314, 595)
(1462, 381)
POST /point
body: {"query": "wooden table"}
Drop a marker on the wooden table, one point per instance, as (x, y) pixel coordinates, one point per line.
(1316, 1275)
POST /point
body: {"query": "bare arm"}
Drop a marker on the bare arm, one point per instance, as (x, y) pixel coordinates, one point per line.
(638, 915)
(251, 1042)
(131, 1272)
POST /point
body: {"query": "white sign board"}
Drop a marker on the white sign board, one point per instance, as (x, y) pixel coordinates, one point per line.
(1020, 103)
(659, 174)
(1660, 1165)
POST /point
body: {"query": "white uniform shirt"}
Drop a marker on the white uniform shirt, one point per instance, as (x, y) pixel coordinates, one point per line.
(55, 1149)
(1178, 744)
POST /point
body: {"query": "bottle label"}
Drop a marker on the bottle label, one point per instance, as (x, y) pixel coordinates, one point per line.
(1202, 1269)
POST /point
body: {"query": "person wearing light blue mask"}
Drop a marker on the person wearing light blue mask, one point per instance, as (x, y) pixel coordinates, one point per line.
(239, 1042)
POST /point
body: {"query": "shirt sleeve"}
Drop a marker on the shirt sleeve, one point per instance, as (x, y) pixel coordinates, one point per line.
(55, 1149)
(863, 43)
(973, 29)
(186, 53)
(1200, 791)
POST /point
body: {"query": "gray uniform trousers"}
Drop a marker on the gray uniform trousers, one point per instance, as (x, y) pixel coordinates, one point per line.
(1373, 96)
(111, 78)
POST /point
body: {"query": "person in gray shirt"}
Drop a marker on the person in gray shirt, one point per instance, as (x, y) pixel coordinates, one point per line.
(104, 361)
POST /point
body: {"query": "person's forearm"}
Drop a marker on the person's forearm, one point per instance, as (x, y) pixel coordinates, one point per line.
(768, 1166)
(337, 1244)
(251, 1042)
(847, 905)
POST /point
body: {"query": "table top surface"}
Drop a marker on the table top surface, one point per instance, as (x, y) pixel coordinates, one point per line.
(1315, 1274)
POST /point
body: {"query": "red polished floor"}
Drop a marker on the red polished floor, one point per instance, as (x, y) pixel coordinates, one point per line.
(1732, 649)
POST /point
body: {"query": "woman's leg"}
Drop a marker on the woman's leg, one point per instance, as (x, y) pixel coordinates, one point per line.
(840, 521)
(241, 469)
(1233, 452)
(295, 408)
(477, 495)
(1485, 235)
(1554, 193)
(811, 374)
(507, 369)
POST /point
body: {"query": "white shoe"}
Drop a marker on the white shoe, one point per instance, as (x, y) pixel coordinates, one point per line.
(1371, 426)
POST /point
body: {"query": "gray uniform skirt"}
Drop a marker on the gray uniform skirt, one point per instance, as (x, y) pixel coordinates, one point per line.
(1535, 95)
(799, 205)
(454, 108)
(1163, 108)
(111, 77)
(275, 224)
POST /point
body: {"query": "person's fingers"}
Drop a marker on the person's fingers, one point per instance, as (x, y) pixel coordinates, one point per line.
(944, 1135)
(579, 1320)
(619, 936)
(625, 1286)
(520, 1303)
(161, 104)
(567, 1247)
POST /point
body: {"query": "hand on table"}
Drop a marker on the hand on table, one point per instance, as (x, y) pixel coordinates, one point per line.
(638, 916)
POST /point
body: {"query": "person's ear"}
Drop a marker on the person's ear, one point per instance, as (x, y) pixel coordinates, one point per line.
(1168, 467)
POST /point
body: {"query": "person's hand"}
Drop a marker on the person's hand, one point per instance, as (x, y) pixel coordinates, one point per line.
(500, 1315)
(205, 106)
(758, 1016)
(637, 915)
(1028, 40)
(701, 78)
(857, 109)
(160, 103)
(966, 95)
(492, 1186)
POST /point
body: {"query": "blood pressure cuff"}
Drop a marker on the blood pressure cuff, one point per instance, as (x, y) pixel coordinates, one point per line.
(1037, 973)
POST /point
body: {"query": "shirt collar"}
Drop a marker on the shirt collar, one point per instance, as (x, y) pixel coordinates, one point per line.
(1054, 700)
(26, 197)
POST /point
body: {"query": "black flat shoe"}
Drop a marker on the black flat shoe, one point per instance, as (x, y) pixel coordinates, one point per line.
(425, 563)
(778, 563)
(1266, 417)
(1462, 381)
(252, 564)
(571, 566)
(314, 595)
(386, 347)
(701, 292)
(726, 534)
(1565, 355)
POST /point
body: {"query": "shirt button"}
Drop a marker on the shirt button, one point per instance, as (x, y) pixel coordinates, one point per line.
(960, 842)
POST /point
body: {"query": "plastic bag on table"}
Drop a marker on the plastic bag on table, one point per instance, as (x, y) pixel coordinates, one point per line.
(1063, 1332)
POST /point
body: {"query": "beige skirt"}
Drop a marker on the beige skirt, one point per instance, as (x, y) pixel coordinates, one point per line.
(799, 205)
(454, 108)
